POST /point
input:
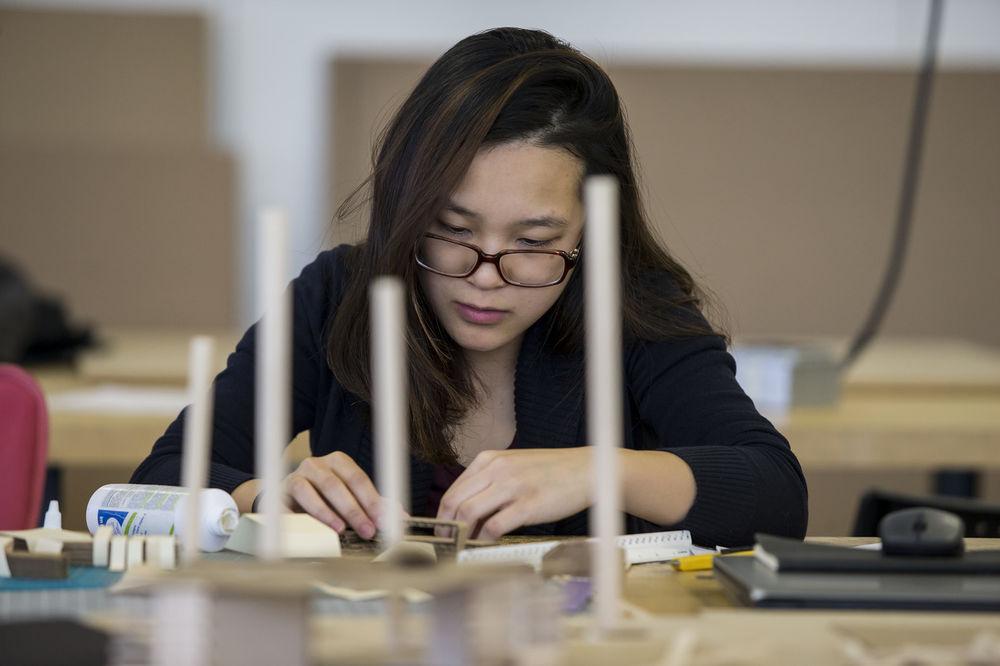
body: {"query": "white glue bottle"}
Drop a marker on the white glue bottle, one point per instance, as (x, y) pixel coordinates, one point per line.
(141, 510)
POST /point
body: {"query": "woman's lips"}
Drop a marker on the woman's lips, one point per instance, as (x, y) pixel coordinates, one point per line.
(474, 315)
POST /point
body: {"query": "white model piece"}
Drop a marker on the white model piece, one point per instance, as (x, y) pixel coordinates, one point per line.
(116, 561)
(301, 536)
(102, 545)
(389, 404)
(5, 543)
(135, 552)
(604, 390)
(197, 439)
(273, 376)
(161, 551)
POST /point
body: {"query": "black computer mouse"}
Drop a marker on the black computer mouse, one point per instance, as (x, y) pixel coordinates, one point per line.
(922, 531)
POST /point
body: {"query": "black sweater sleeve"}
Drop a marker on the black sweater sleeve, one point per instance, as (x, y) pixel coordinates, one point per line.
(748, 480)
(232, 456)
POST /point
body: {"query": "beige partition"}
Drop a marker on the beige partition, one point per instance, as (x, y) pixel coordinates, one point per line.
(125, 237)
(778, 187)
(112, 197)
(102, 79)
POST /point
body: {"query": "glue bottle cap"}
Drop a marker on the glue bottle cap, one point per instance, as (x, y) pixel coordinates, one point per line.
(53, 519)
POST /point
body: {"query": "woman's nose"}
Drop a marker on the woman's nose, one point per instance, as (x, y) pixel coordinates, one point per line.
(487, 276)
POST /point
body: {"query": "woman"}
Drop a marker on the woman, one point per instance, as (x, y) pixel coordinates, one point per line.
(476, 206)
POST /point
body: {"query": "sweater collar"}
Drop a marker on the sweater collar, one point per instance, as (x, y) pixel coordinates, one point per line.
(548, 393)
(548, 405)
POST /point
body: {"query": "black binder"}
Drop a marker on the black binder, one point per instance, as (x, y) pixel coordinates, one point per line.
(791, 555)
(786, 573)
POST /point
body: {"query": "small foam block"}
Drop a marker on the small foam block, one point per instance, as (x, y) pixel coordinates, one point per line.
(153, 551)
(136, 552)
(46, 547)
(102, 544)
(117, 558)
(161, 551)
(301, 536)
(5, 542)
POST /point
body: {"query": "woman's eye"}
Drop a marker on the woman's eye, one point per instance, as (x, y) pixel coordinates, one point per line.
(534, 242)
(455, 231)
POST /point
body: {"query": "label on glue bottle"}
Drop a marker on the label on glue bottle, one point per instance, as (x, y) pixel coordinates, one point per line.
(142, 510)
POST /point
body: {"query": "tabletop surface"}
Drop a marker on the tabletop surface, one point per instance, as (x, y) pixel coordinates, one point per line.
(669, 607)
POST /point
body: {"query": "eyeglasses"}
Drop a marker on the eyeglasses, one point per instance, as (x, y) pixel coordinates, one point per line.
(521, 268)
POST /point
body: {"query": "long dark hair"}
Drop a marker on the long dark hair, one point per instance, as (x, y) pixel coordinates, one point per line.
(502, 85)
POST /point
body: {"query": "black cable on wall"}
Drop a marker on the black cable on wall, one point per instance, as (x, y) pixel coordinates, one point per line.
(908, 191)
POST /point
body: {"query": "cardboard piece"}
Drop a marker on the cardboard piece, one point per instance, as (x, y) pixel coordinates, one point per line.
(23, 564)
(409, 553)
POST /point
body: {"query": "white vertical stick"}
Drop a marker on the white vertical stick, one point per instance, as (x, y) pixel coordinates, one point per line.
(197, 440)
(604, 389)
(273, 376)
(389, 405)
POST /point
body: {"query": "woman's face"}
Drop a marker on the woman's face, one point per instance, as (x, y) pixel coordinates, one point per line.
(514, 196)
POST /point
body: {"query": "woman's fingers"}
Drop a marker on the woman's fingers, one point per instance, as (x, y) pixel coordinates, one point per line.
(502, 522)
(338, 496)
(305, 496)
(481, 506)
(464, 487)
(358, 482)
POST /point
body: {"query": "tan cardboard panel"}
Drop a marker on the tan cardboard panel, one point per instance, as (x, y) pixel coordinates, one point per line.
(103, 79)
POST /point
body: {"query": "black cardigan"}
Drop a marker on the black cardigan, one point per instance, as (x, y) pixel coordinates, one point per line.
(681, 396)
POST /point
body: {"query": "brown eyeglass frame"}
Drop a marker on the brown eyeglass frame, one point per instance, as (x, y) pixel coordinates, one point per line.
(570, 259)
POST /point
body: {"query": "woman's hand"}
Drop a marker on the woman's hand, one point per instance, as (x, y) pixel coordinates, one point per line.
(504, 490)
(336, 491)
(332, 489)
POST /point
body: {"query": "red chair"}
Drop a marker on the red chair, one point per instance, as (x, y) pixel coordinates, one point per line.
(24, 443)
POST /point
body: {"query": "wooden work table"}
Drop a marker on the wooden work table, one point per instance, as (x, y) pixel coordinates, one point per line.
(669, 606)
(692, 606)
(728, 634)
(660, 590)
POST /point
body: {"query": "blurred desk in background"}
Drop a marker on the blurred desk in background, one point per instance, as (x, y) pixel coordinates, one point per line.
(908, 408)
(928, 366)
(927, 431)
(914, 415)
(105, 415)
(89, 426)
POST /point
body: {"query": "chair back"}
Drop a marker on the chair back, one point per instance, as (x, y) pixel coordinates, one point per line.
(981, 519)
(24, 441)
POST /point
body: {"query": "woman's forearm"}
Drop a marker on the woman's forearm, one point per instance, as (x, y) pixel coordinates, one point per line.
(658, 486)
(245, 493)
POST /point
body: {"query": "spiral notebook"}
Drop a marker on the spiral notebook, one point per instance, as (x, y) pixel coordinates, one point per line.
(638, 548)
